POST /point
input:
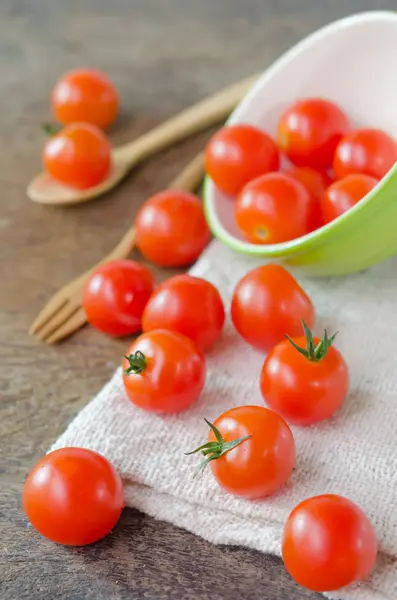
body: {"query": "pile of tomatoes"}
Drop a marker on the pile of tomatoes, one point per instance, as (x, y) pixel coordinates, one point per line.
(74, 496)
(331, 167)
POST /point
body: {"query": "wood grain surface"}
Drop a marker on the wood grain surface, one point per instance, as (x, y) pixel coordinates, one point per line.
(163, 56)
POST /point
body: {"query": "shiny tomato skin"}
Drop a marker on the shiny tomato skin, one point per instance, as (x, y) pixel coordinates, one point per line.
(344, 193)
(190, 305)
(309, 131)
(369, 151)
(115, 295)
(79, 156)
(73, 496)
(261, 465)
(273, 208)
(85, 95)
(174, 375)
(328, 543)
(268, 303)
(171, 229)
(238, 153)
(302, 391)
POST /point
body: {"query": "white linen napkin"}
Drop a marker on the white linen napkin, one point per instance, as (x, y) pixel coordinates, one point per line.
(353, 454)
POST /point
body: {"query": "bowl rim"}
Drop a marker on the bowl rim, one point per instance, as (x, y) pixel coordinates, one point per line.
(323, 233)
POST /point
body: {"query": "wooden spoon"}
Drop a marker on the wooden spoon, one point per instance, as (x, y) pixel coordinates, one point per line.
(45, 190)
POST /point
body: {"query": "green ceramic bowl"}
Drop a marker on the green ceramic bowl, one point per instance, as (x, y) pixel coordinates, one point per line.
(353, 62)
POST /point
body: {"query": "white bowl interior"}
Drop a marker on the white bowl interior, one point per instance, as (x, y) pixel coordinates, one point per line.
(352, 62)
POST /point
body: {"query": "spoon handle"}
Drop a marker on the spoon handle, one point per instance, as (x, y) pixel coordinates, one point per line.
(188, 180)
(208, 112)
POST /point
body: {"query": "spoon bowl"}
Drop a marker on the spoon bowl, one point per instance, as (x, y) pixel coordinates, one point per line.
(353, 63)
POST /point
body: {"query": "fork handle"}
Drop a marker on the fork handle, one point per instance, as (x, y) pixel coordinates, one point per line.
(188, 180)
(208, 112)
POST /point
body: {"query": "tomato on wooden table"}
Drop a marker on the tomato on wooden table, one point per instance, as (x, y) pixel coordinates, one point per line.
(268, 303)
(85, 95)
(328, 543)
(171, 229)
(163, 371)
(238, 153)
(369, 151)
(73, 496)
(344, 193)
(115, 295)
(190, 305)
(305, 380)
(79, 156)
(251, 451)
(273, 208)
(309, 131)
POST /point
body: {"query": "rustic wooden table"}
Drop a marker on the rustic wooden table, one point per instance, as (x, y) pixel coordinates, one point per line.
(163, 56)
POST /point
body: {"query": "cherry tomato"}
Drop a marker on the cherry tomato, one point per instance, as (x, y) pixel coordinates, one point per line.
(345, 193)
(369, 151)
(85, 95)
(164, 371)
(171, 229)
(310, 130)
(237, 154)
(190, 305)
(328, 543)
(78, 156)
(254, 451)
(267, 304)
(316, 182)
(305, 380)
(73, 496)
(115, 295)
(273, 208)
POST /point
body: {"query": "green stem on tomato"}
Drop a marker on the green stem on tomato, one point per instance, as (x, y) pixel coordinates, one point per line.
(214, 450)
(137, 363)
(313, 352)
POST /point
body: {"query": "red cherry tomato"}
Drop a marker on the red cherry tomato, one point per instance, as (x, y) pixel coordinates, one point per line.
(316, 182)
(115, 295)
(369, 151)
(237, 154)
(328, 543)
(269, 303)
(310, 130)
(273, 208)
(254, 453)
(85, 95)
(164, 372)
(343, 194)
(73, 496)
(190, 305)
(171, 229)
(78, 156)
(308, 385)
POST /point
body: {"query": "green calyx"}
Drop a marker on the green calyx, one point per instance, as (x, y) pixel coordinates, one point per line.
(312, 351)
(137, 363)
(214, 450)
(51, 129)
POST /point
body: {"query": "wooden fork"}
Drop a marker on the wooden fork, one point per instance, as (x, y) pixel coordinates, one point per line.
(64, 313)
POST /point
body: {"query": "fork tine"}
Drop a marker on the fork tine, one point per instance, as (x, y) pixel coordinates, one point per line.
(57, 320)
(77, 320)
(50, 309)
